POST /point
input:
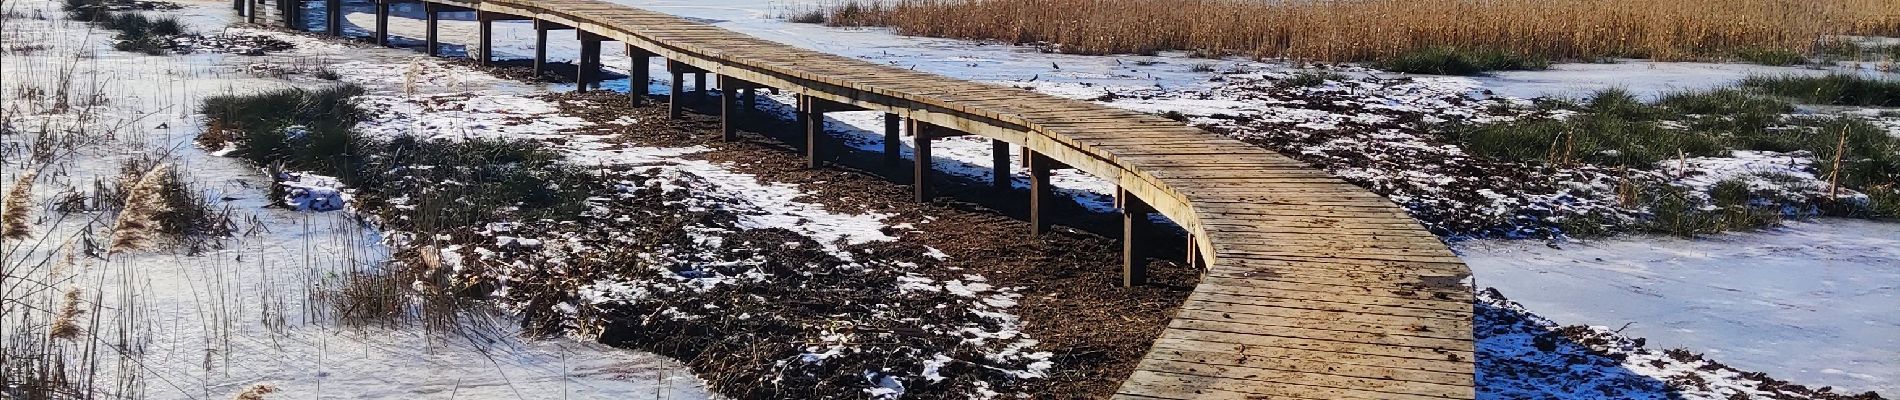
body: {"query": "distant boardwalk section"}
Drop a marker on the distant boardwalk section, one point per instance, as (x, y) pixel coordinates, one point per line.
(1313, 288)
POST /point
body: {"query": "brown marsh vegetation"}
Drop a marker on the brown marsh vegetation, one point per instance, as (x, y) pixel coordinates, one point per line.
(1373, 30)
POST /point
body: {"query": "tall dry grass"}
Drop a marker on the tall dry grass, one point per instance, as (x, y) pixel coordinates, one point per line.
(14, 208)
(1367, 30)
(138, 225)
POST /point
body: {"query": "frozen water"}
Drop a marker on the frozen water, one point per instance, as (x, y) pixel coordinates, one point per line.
(1812, 302)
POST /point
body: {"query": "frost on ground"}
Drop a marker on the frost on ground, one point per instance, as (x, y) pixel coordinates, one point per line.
(1522, 356)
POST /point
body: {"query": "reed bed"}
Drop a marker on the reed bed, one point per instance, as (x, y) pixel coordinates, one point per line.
(1372, 30)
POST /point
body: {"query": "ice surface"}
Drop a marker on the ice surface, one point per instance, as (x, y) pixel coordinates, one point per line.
(1813, 302)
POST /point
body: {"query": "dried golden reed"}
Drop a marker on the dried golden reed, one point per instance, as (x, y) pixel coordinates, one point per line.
(14, 209)
(1365, 30)
(138, 225)
(256, 392)
(66, 326)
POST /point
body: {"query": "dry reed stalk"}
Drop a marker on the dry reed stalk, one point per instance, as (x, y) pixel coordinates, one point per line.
(409, 77)
(66, 326)
(256, 392)
(1364, 30)
(1834, 173)
(1625, 189)
(13, 210)
(137, 227)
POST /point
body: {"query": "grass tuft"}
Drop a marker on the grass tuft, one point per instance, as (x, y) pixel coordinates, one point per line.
(1456, 61)
(309, 129)
(451, 184)
(1832, 89)
(1770, 56)
(1613, 128)
(136, 32)
(1309, 79)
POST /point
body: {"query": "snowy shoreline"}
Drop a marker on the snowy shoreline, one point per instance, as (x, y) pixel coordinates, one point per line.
(516, 110)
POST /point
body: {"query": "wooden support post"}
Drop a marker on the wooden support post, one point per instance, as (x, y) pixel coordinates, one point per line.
(639, 75)
(249, 10)
(891, 125)
(1193, 252)
(673, 93)
(999, 164)
(293, 14)
(752, 98)
(432, 17)
(814, 111)
(699, 84)
(1041, 192)
(382, 22)
(484, 38)
(920, 166)
(333, 17)
(728, 109)
(1135, 226)
(589, 63)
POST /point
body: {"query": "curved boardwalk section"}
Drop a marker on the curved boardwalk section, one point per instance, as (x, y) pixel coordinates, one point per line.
(1313, 289)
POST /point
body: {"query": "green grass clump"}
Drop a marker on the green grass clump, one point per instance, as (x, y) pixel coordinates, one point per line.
(1848, 50)
(1774, 57)
(1613, 128)
(136, 32)
(1884, 201)
(449, 184)
(465, 183)
(308, 129)
(1832, 89)
(1457, 61)
(1869, 157)
(1679, 211)
(1309, 79)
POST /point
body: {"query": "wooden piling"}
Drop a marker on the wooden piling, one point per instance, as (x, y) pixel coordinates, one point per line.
(892, 123)
(921, 169)
(540, 47)
(1135, 227)
(674, 92)
(382, 23)
(639, 75)
(484, 38)
(728, 109)
(1041, 191)
(432, 18)
(814, 111)
(999, 164)
(588, 68)
(333, 17)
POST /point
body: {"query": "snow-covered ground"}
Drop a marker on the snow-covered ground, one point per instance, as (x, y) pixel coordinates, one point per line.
(1812, 302)
(211, 325)
(1754, 300)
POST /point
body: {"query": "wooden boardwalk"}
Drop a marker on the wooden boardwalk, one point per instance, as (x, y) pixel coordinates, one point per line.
(1313, 288)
